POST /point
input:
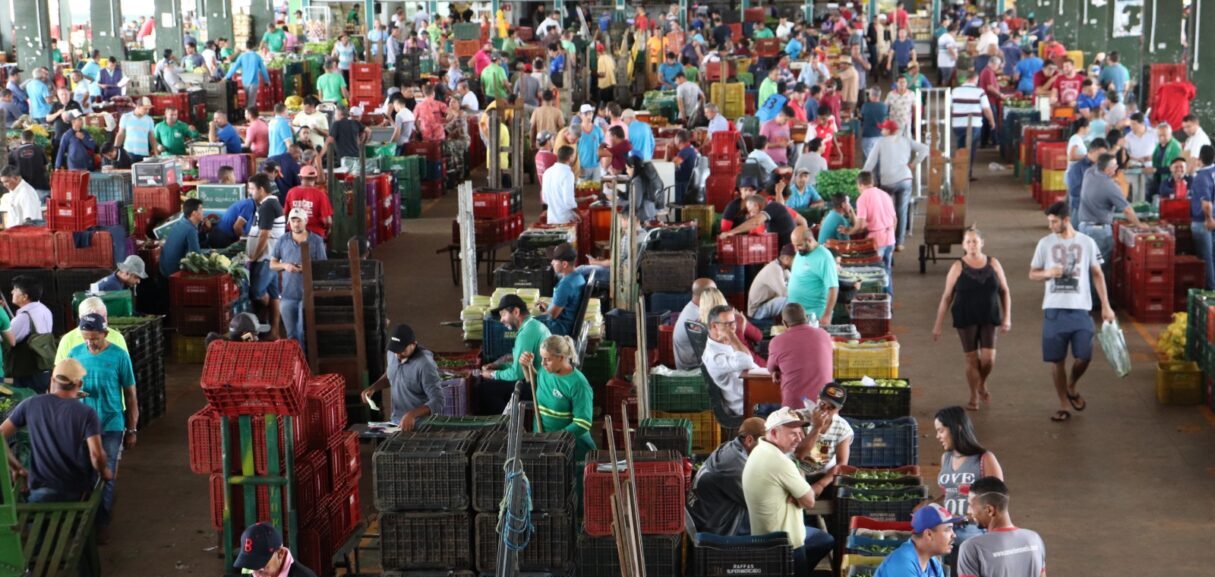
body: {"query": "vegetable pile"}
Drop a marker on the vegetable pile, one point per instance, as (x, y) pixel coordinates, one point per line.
(876, 475)
(886, 383)
(215, 264)
(833, 182)
(1171, 343)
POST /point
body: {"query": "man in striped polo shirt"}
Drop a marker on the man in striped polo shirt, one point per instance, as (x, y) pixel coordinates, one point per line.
(970, 107)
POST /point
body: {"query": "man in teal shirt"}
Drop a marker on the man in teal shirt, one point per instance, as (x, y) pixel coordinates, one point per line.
(590, 137)
(109, 384)
(274, 38)
(40, 95)
(252, 71)
(513, 313)
(331, 85)
(841, 209)
(762, 32)
(813, 280)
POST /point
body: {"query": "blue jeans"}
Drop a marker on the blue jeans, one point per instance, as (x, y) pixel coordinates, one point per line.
(1103, 235)
(112, 442)
(818, 545)
(292, 313)
(887, 254)
(867, 145)
(901, 193)
(959, 135)
(771, 309)
(51, 495)
(1205, 250)
(40, 382)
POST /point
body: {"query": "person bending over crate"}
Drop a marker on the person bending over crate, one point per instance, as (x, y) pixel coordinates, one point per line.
(563, 395)
(530, 333)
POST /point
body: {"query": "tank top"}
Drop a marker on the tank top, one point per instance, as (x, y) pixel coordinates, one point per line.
(956, 473)
(976, 297)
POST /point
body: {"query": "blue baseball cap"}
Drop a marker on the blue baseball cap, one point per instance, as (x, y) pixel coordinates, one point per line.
(258, 545)
(932, 516)
(93, 322)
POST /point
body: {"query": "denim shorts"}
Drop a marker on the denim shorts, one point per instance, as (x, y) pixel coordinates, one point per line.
(263, 281)
(1064, 327)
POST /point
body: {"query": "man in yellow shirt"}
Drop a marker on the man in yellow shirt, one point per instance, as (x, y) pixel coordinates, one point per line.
(606, 71)
(777, 493)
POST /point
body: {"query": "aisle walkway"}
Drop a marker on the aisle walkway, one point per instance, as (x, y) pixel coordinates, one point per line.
(1125, 488)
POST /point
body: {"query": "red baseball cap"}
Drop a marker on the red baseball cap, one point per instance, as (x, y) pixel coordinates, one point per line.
(890, 125)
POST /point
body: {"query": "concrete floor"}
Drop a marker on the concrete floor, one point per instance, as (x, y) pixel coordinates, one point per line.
(1125, 488)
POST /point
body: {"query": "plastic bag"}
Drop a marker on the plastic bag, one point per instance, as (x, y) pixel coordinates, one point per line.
(1114, 345)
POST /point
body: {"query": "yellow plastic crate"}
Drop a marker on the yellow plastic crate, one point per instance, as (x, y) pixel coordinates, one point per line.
(1076, 56)
(1178, 383)
(744, 64)
(1054, 180)
(854, 560)
(854, 361)
(730, 98)
(703, 215)
(188, 350)
(706, 434)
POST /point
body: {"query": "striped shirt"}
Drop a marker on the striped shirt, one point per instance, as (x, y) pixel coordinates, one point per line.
(969, 101)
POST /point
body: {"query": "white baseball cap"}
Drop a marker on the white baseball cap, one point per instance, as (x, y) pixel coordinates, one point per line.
(783, 416)
(586, 108)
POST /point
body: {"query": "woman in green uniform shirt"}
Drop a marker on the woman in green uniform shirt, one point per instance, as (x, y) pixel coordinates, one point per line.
(563, 395)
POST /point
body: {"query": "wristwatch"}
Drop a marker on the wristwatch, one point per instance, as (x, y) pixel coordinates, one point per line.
(132, 431)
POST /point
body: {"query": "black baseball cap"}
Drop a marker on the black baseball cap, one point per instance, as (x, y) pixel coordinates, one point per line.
(564, 251)
(834, 394)
(509, 302)
(258, 544)
(402, 337)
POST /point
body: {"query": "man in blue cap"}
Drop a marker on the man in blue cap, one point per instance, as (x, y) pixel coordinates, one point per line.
(262, 553)
(931, 537)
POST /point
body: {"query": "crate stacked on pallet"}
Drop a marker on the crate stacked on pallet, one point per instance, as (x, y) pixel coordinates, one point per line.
(1146, 257)
(1031, 137)
(366, 82)
(422, 491)
(433, 171)
(71, 207)
(883, 493)
(871, 314)
(408, 173)
(725, 163)
(144, 336)
(200, 304)
(661, 480)
(254, 386)
(548, 460)
(334, 275)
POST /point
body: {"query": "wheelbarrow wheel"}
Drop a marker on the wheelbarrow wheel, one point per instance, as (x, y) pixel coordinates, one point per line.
(923, 259)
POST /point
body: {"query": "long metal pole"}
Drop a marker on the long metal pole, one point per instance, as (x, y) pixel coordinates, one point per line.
(508, 560)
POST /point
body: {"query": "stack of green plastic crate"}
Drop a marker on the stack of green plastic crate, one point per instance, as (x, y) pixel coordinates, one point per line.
(408, 172)
(467, 30)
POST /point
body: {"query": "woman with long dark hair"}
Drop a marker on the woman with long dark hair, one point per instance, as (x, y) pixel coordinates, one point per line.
(964, 461)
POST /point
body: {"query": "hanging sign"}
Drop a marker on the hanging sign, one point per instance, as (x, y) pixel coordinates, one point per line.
(1128, 18)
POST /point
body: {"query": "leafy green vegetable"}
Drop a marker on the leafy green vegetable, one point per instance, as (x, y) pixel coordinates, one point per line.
(833, 182)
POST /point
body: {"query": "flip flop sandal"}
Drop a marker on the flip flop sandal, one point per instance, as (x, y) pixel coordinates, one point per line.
(1077, 402)
(1061, 416)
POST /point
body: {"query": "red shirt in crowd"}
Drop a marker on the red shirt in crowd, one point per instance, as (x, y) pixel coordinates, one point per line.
(802, 357)
(257, 138)
(1069, 88)
(315, 202)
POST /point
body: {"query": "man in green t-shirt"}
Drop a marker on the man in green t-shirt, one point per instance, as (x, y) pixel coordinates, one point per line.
(493, 79)
(225, 51)
(274, 38)
(171, 135)
(331, 85)
(512, 311)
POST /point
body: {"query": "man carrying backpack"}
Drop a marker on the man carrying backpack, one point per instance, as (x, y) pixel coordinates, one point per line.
(30, 336)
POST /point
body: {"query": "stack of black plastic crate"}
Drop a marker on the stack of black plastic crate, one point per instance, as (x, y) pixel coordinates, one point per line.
(335, 275)
(145, 343)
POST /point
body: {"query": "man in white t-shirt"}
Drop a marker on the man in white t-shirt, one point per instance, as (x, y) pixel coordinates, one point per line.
(315, 120)
(557, 189)
(20, 203)
(468, 100)
(403, 123)
(1140, 141)
(947, 56)
(1195, 139)
(1069, 263)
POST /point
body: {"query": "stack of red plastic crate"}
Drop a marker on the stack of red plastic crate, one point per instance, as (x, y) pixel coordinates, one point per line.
(725, 163)
(201, 304)
(432, 166)
(661, 484)
(257, 379)
(162, 101)
(71, 207)
(387, 207)
(267, 94)
(1147, 274)
(1050, 187)
(156, 196)
(366, 83)
(498, 215)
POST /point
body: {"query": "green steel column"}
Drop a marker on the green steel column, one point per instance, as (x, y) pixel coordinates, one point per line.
(167, 14)
(808, 10)
(65, 28)
(368, 19)
(6, 27)
(105, 16)
(263, 14)
(683, 15)
(744, 4)
(32, 34)
(218, 14)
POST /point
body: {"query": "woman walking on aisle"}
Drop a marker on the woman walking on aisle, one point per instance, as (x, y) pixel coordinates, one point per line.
(976, 292)
(963, 462)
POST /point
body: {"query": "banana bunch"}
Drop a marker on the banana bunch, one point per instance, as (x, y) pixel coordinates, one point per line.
(1171, 343)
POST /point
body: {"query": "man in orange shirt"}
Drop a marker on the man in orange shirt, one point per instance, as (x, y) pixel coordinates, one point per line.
(311, 199)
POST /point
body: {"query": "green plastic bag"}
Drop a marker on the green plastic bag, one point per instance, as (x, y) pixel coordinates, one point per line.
(1113, 343)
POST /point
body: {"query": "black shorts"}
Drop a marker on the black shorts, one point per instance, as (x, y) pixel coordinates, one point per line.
(977, 337)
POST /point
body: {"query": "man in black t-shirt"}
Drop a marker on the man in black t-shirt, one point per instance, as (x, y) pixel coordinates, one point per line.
(774, 216)
(30, 159)
(346, 134)
(65, 439)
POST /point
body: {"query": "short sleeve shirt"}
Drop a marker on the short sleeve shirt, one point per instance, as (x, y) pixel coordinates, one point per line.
(137, 131)
(1076, 256)
(905, 562)
(330, 86)
(286, 250)
(999, 552)
(59, 431)
(829, 229)
(811, 277)
(173, 137)
(109, 372)
(228, 136)
(836, 434)
(770, 478)
(567, 294)
(875, 206)
(315, 202)
(269, 219)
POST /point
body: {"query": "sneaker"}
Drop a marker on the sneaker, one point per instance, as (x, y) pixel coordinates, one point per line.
(898, 248)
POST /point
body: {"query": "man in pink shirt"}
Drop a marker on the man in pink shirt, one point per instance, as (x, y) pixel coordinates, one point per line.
(777, 133)
(800, 359)
(257, 134)
(875, 214)
(481, 59)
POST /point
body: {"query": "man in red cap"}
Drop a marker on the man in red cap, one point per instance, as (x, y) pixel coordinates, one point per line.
(605, 70)
(892, 157)
(311, 199)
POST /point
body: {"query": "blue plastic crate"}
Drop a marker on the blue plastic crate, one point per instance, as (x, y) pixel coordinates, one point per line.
(496, 340)
(884, 443)
(730, 279)
(673, 302)
(111, 186)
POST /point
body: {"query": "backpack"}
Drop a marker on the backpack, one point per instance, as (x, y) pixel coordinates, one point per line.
(35, 354)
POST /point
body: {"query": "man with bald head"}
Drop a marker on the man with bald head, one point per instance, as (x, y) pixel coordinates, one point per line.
(813, 281)
(685, 357)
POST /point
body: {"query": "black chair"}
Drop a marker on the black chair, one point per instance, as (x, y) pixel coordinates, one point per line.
(578, 330)
(698, 335)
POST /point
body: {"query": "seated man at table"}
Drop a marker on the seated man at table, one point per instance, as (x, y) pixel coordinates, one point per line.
(726, 357)
(717, 504)
(778, 495)
(567, 295)
(800, 359)
(770, 290)
(828, 442)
